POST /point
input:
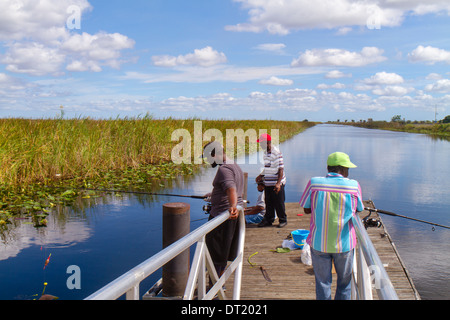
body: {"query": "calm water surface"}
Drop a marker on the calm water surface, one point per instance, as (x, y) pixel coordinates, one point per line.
(105, 237)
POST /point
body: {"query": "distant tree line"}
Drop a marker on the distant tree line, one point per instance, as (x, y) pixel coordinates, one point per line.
(446, 119)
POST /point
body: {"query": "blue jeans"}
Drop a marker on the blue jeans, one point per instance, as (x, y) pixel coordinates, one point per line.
(343, 263)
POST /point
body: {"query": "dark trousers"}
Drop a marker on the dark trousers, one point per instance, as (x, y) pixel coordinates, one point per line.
(222, 243)
(275, 202)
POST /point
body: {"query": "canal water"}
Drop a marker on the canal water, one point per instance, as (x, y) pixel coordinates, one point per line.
(105, 237)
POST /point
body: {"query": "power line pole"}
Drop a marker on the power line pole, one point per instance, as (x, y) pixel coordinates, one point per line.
(435, 113)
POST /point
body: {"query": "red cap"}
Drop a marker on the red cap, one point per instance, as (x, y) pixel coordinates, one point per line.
(264, 137)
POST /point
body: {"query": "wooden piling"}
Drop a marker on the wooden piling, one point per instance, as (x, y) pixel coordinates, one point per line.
(176, 225)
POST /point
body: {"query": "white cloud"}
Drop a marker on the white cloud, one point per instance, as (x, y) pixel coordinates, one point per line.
(272, 47)
(205, 57)
(304, 100)
(43, 20)
(281, 17)
(339, 57)
(34, 59)
(349, 102)
(384, 84)
(275, 81)
(343, 31)
(433, 76)
(91, 51)
(201, 103)
(38, 41)
(290, 99)
(382, 78)
(429, 55)
(9, 84)
(442, 86)
(192, 74)
(392, 91)
(337, 85)
(336, 74)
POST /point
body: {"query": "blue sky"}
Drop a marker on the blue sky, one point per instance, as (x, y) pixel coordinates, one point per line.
(228, 59)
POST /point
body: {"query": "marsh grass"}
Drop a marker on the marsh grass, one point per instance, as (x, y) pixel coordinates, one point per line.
(38, 154)
(434, 129)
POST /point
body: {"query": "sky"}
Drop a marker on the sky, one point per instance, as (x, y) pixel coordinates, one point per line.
(319, 60)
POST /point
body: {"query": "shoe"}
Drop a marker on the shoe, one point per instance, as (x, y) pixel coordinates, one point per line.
(264, 223)
(282, 224)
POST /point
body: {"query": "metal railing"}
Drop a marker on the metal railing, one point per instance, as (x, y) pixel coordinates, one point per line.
(129, 282)
(368, 270)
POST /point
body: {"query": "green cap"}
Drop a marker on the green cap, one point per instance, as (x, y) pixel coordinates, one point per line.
(340, 159)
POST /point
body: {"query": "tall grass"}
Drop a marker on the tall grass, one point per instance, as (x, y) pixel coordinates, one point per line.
(44, 150)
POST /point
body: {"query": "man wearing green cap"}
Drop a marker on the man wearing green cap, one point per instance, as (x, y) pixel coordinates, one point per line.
(333, 201)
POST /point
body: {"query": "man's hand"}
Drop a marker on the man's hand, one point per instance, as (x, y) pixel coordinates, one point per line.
(232, 199)
(277, 188)
(234, 213)
(207, 197)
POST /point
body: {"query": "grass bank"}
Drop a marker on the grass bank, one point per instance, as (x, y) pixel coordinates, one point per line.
(435, 129)
(82, 152)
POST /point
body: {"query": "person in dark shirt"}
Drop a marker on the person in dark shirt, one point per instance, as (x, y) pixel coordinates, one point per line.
(228, 187)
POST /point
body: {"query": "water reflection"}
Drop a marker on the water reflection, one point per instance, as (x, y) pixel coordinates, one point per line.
(107, 236)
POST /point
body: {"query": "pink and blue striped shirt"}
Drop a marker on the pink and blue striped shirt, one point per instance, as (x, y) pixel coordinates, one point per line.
(333, 201)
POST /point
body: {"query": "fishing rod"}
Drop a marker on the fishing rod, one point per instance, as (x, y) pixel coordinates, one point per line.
(405, 217)
(206, 208)
(137, 192)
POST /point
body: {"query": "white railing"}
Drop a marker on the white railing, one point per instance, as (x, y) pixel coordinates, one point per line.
(129, 282)
(368, 270)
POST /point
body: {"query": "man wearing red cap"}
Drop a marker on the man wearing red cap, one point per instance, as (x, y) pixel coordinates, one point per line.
(274, 180)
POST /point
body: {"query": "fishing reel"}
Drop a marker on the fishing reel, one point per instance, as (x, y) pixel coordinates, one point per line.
(371, 222)
(207, 208)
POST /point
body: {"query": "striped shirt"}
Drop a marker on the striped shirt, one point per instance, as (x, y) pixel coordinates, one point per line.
(273, 162)
(333, 201)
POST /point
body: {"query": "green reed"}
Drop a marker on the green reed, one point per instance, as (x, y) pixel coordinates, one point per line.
(55, 149)
(37, 155)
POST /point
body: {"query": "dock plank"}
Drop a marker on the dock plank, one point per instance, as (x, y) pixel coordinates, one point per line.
(293, 280)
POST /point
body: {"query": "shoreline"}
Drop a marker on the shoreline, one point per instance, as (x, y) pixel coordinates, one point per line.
(438, 130)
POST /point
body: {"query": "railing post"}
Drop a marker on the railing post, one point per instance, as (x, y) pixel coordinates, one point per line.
(383, 284)
(364, 281)
(176, 225)
(238, 272)
(244, 195)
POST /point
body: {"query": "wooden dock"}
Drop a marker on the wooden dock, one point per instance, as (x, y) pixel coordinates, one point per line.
(291, 279)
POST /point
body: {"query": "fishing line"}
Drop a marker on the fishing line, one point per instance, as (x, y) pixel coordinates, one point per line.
(405, 217)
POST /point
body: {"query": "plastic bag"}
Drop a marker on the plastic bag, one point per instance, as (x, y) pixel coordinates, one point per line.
(288, 244)
(306, 255)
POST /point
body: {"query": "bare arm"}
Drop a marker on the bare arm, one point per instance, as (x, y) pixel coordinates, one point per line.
(280, 177)
(253, 210)
(232, 199)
